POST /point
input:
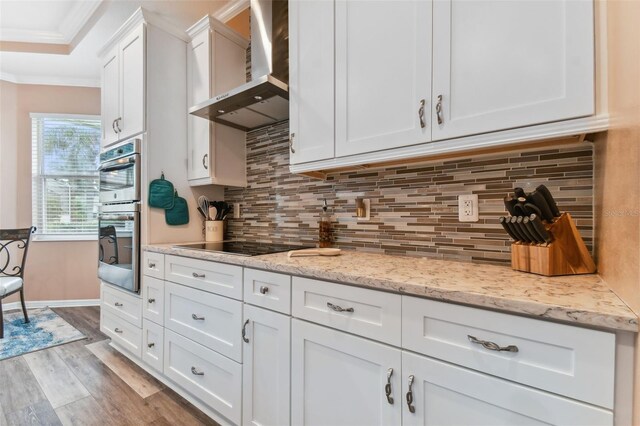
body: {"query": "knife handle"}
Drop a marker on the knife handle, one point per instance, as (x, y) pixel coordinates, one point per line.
(551, 202)
(531, 209)
(518, 230)
(510, 204)
(505, 225)
(539, 201)
(532, 230)
(519, 192)
(520, 221)
(540, 229)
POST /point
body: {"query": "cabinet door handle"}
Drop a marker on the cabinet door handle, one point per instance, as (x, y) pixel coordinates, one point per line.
(118, 304)
(264, 289)
(196, 275)
(439, 110)
(492, 346)
(113, 126)
(412, 409)
(387, 387)
(421, 114)
(150, 345)
(244, 332)
(117, 330)
(204, 161)
(291, 137)
(152, 265)
(118, 120)
(195, 372)
(151, 300)
(338, 308)
(197, 318)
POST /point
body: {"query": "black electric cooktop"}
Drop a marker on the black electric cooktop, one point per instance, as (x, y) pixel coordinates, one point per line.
(241, 248)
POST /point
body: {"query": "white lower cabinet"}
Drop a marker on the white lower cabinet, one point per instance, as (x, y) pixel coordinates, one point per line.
(267, 361)
(121, 332)
(444, 394)
(213, 378)
(153, 344)
(340, 379)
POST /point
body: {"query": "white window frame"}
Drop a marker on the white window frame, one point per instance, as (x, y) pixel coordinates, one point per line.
(58, 237)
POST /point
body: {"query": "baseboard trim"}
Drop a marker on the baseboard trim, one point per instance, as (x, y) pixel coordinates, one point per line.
(52, 304)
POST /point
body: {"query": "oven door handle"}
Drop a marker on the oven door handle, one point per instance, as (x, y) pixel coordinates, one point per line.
(116, 165)
(103, 216)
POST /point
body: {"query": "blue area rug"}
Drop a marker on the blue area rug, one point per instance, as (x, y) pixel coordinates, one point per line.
(45, 330)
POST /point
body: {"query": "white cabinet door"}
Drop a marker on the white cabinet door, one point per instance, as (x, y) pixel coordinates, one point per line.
(444, 394)
(132, 83)
(153, 299)
(266, 372)
(311, 80)
(383, 74)
(504, 64)
(110, 97)
(340, 379)
(199, 90)
(153, 344)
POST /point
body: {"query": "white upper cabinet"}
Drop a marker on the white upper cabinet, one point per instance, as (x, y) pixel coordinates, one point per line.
(216, 63)
(383, 74)
(311, 80)
(505, 64)
(110, 96)
(123, 87)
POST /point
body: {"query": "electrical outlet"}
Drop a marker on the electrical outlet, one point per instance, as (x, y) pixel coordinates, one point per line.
(468, 208)
(236, 210)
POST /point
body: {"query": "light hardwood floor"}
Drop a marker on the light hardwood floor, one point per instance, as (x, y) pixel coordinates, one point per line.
(70, 385)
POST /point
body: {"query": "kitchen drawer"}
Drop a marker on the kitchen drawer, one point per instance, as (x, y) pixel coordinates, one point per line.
(214, 379)
(121, 332)
(153, 344)
(571, 361)
(153, 299)
(211, 320)
(213, 277)
(268, 290)
(153, 264)
(125, 305)
(374, 314)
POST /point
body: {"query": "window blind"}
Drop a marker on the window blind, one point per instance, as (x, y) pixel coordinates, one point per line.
(65, 156)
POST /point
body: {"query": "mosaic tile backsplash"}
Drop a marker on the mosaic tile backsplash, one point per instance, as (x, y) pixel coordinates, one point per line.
(414, 208)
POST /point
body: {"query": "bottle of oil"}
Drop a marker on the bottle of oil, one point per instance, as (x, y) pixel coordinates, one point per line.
(324, 237)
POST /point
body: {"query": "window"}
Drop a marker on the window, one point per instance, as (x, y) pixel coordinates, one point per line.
(65, 151)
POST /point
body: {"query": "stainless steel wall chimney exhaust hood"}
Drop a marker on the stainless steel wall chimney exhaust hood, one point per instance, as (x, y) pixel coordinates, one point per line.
(265, 99)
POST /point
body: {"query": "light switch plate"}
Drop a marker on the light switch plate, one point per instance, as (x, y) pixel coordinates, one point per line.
(468, 208)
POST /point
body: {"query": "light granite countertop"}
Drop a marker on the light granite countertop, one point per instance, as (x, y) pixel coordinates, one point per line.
(579, 299)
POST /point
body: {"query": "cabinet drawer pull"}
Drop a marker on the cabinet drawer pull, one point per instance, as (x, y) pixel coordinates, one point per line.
(338, 308)
(264, 289)
(244, 332)
(439, 110)
(196, 275)
(117, 330)
(113, 126)
(492, 346)
(150, 345)
(197, 318)
(152, 265)
(387, 387)
(204, 161)
(421, 114)
(195, 372)
(118, 120)
(151, 300)
(291, 137)
(412, 409)
(118, 304)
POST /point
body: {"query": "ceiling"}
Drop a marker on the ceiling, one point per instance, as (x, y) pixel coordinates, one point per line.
(56, 41)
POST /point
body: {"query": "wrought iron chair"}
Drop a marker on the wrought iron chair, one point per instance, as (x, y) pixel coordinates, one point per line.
(13, 243)
(108, 244)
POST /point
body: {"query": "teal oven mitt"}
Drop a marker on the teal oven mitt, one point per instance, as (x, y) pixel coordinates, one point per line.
(179, 213)
(161, 193)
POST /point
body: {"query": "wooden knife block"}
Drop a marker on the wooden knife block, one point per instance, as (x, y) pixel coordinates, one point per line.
(566, 255)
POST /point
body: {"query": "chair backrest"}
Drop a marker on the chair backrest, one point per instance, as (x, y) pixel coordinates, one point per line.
(14, 244)
(109, 245)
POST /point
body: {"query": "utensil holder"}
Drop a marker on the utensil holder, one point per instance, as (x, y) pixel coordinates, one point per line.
(214, 230)
(567, 254)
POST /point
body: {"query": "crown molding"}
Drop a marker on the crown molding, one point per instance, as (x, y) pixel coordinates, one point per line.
(231, 10)
(74, 21)
(50, 80)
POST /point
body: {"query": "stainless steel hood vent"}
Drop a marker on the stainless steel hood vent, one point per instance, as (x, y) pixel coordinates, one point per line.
(265, 99)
